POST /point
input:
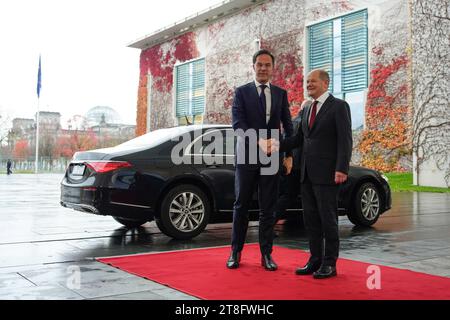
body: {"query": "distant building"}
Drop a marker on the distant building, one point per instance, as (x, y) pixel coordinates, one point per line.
(49, 121)
(116, 131)
(20, 127)
(101, 115)
(103, 121)
(107, 123)
(25, 129)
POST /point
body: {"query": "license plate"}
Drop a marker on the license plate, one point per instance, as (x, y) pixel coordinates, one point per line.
(71, 192)
(78, 170)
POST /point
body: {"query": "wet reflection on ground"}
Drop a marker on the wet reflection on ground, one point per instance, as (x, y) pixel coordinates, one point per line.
(39, 240)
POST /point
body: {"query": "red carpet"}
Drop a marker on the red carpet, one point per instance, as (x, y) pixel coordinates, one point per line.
(202, 273)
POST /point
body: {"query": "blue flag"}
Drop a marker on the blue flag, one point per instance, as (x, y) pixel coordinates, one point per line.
(39, 78)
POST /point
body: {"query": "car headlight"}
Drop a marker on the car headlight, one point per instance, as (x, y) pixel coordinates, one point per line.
(385, 178)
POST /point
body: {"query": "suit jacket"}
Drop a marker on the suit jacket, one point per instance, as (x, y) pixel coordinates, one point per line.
(296, 122)
(248, 114)
(327, 147)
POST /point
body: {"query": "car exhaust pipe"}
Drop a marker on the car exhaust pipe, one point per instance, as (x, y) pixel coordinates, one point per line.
(88, 209)
(81, 207)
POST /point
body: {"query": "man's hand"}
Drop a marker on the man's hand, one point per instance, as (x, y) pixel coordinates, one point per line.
(274, 145)
(264, 145)
(269, 146)
(340, 177)
(287, 163)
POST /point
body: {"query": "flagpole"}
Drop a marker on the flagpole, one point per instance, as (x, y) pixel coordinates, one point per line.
(36, 161)
(38, 91)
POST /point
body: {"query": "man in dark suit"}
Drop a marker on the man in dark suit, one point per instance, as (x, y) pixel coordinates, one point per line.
(259, 108)
(325, 141)
(290, 179)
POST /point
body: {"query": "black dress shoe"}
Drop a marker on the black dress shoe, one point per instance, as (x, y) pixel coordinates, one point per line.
(325, 272)
(308, 269)
(233, 260)
(268, 263)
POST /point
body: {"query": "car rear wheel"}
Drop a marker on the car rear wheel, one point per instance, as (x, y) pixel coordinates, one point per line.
(130, 223)
(366, 205)
(185, 212)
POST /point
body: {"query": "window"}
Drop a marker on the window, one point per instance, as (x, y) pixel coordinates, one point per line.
(190, 89)
(220, 142)
(211, 144)
(230, 143)
(356, 102)
(321, 48)
(340, 46)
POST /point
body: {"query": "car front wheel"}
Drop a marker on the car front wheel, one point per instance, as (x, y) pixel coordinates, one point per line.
(366, 205)
(185, 212)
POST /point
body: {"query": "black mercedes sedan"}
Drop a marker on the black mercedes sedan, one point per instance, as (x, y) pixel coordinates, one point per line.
(183, 178)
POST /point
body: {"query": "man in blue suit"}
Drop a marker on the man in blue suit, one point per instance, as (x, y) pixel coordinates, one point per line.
(259, 107)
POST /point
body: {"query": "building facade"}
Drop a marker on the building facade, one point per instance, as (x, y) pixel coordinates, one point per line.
(374, 51)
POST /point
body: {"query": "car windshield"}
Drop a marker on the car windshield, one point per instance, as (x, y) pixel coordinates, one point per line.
(155, 138)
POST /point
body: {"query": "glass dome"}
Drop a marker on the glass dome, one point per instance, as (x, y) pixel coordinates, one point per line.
(102, 114)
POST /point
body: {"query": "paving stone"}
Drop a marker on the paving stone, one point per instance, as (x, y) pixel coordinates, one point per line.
(54, 292)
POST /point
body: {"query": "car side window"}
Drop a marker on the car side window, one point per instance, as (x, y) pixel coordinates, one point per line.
(229, 142)
(215, 143)
(210, 145)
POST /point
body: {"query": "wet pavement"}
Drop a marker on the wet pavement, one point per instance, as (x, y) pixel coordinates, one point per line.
(43, 245)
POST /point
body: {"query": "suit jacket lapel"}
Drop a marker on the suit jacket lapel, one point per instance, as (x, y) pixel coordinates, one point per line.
(305, 120)
(325, 107)
(274, 98)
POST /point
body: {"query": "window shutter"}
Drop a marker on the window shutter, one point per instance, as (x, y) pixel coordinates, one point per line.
(190, 88)
(354, 51)
(321, 48)
(198, 87)
(182, 90)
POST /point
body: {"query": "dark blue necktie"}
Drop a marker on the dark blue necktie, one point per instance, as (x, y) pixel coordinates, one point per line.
(262, 98)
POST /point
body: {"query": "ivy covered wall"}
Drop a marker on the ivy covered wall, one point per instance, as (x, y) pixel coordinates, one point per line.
(279, 25)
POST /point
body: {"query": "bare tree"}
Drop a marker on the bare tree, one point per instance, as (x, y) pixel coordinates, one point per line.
(431, 88)
(5, 124)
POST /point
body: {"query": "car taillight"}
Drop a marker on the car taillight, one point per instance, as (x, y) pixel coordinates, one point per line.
(106, 166)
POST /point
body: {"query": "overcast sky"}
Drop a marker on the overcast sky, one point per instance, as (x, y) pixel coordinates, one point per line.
(85, 58)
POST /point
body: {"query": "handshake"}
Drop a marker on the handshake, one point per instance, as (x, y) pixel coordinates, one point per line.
(269, 146)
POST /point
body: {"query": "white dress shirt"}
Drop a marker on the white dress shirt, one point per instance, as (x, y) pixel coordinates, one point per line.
(320, 101)
(268, 98)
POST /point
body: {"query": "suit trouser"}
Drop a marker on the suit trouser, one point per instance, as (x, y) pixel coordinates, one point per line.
(321, 221)
(289, 188)
(246, 180)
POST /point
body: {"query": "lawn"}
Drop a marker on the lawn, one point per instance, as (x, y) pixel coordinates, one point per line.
(400, 181)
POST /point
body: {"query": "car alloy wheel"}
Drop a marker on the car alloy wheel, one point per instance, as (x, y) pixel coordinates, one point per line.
(370, 204)
(186, 212)
(367, 204)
